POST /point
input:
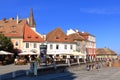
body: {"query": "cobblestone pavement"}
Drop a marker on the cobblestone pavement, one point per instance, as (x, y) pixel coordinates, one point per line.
(73, 73)
(109, 73)
(11, 68)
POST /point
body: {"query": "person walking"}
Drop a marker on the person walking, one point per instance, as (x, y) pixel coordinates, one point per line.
(98, 66)
(92, 66)
(88, 67)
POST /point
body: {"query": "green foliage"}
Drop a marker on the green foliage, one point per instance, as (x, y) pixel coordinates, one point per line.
(37, 59)
(5, 43)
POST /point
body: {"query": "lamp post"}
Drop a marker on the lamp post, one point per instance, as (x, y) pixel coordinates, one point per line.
(54, 61)
(0, 45)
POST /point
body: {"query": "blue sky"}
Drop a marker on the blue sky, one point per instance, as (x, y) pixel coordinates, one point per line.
(98, 17)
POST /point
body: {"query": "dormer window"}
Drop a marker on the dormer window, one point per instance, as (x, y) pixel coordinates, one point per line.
(13, 32)
(13, 26)
(1, 27)
(29, 36)
(36, 37)
(57, 37)
(66, 38)
(1, 32)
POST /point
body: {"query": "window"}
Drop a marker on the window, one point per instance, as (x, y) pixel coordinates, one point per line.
(27, 45)
(36, 37)
(16, 43)
(65, 47)
(57, 37)
(78, 44)
(35, 45)
(1, 27)
(13, 26)
(57, 46)
(14, 32)
(66, 38)
(51, 46)
(29, 36)
(1, 32)
(71, 47)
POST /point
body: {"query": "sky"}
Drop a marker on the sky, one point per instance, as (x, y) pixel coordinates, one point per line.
(100, 18)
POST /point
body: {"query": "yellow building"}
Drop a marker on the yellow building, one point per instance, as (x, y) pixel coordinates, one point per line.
(105, 53)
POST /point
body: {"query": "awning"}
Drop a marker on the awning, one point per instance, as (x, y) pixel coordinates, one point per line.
(78, 54)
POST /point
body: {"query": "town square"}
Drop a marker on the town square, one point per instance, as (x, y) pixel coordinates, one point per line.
(59, 40)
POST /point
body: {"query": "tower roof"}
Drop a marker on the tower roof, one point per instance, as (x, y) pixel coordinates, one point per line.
(31, 19)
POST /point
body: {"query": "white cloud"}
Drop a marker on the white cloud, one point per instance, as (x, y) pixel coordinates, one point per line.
(101, 10)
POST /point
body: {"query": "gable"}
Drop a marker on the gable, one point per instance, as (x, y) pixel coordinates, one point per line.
(57, 35)
(31, 36)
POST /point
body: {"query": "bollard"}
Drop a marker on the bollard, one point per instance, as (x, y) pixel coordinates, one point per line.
(0, 77)
(68, 61)
(13, 75)
(78, 61)
(54, 65)
(54, 62)
(27, 72)
(35, 68)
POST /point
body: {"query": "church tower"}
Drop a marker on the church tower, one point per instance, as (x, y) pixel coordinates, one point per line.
(32, 23)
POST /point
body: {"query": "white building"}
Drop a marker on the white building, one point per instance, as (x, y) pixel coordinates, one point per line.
(59, 44)
(85, 42)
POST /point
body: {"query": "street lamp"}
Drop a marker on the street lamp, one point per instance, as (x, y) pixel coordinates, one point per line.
(0, 45)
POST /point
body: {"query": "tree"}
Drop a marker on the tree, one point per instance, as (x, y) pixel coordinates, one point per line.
(5, 43)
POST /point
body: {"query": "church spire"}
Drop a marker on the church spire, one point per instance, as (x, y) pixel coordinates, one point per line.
(32, 23)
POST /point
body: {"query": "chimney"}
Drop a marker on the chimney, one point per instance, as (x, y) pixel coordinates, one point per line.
(28, 20)
(76, 30)
(4, 19)
(17, 19)
(82, 31)
(11, 18)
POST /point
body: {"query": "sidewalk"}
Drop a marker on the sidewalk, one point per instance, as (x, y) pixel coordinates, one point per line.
(8, 71)
(105, 73)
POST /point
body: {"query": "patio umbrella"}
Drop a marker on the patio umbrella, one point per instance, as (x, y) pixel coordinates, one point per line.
(5, 53)
(28, 53)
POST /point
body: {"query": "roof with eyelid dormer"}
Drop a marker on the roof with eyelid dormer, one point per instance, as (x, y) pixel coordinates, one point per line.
(57, 35)
(31, 36)
(11, 28)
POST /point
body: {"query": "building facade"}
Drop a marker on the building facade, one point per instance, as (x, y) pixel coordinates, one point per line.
(86, 43)
(80, 43)
(25, 38)
(59, 43)
(22, 33)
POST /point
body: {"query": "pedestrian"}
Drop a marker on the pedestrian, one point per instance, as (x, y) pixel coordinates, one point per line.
(87, 67)
(92, 66)
(97, 66)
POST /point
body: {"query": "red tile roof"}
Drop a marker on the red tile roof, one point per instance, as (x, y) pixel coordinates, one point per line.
(76, 36)
(31, 36)
(105, 51)
(57, 35)
(11, 28)
(84, 34)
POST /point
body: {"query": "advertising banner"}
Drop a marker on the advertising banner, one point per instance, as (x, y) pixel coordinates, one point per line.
(43, 52)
